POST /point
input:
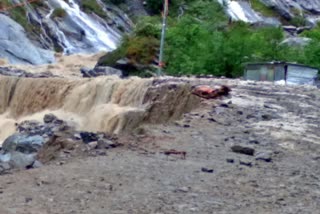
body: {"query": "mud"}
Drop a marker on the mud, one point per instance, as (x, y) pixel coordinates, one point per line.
(279, 123)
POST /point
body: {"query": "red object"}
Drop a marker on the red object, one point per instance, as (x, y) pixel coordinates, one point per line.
(209, 92)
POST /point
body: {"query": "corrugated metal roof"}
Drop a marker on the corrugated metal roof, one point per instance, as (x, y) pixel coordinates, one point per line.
(280, 63)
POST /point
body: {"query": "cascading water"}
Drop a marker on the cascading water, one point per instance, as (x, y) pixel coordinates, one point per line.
(94, 35)
(107, 104)
(241, 10)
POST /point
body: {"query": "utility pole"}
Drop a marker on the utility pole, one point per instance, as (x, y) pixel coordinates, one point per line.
(163, 34)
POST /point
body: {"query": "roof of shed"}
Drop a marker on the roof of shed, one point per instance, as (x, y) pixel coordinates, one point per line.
(280, 63)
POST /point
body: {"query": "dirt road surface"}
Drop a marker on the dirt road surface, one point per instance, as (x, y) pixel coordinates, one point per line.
(280, 124)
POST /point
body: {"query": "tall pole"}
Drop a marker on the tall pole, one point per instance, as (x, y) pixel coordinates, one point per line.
(163, 34)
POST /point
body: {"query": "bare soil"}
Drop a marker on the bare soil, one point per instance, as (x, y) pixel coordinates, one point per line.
(141, 178)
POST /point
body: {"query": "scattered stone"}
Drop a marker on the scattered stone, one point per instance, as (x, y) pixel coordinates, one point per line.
(106, 144)
(101, 153)
(93, 145)
(245, 163)
(264, 156)
(224, 105)
(100, 71)
(243, 150)
(28, 199)
(49, 118)
(88, 137)
(267, 106)
(230, 160)
(266, 117)
(183, 189)
(203, 169)
(211, 119)
(254, 142)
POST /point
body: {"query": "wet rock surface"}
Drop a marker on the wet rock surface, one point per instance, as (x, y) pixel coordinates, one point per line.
(100, 71)
(36, 143)
(7, 71)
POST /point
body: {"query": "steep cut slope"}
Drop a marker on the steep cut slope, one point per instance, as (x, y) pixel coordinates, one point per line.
(65, 26)
(107, 104)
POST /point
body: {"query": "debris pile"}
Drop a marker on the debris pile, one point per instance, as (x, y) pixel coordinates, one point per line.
(36, 143)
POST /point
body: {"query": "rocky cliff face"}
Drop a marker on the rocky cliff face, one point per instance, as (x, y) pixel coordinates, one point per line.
(15, 46)
(89, 26)
(57, 25)
(254, 11)
(290, 9)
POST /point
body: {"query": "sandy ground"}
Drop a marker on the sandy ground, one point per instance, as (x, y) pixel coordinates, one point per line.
(138, 178)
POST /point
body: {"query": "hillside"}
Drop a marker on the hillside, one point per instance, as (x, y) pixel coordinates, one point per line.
(275, 30)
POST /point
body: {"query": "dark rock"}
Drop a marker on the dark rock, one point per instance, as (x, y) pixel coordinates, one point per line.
(211, 119)
(203, 169)
(49, 118)
(264, 156)
(100, 71)
(245, 163)
(23, 143)
(230, 160)
(224, 105)
(266, 117)
(243, 150)
(88, 137)
(28, 199)
(254, 142)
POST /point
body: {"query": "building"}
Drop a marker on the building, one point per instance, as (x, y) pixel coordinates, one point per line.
(288, 73)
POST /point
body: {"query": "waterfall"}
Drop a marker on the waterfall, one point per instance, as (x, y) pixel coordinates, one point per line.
(107, 104)
(94, 35)
(241, 11)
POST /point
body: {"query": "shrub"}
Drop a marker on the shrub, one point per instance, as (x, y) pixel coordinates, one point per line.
(59, 12)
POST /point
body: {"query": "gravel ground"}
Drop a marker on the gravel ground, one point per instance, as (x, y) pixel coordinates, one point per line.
(280, 124)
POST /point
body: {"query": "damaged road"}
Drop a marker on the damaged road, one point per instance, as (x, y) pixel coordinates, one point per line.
(256, 152)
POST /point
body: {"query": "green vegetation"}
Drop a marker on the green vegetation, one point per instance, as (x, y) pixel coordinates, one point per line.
(59, 12)
(202, 41)
(89, 6)
(263, 9)
(19, 15)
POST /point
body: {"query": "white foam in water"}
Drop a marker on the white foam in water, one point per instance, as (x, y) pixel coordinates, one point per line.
(101, 37)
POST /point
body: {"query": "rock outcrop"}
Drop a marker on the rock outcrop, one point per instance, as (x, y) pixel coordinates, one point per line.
(17, 48)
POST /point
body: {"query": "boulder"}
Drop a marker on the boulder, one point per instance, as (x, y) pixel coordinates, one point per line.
(243, 150)
(21, 161)
(23, 143)
(88, 137)
(17, 48)
(100, 71)
(49, 118)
